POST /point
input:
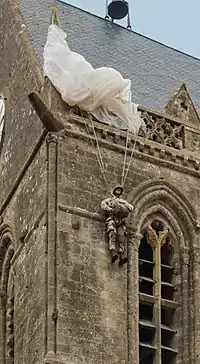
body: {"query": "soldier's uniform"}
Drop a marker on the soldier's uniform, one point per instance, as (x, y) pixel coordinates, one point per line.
(117, 209)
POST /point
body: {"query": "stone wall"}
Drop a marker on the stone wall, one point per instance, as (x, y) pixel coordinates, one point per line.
(23, 186)
(92, 293)
(72, 305)
(26, 217)
(29, 322)
(18, 78)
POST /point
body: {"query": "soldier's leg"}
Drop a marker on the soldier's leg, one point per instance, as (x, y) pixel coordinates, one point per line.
(121, 235)
(112, 245)
(112, 233)
(111, 240)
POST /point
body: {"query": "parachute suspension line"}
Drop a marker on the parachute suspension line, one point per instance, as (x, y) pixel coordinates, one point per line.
(124, 164)
(87, 129)
(129, 163)
(99, 161)
(97, 143)
(98, 152)
(99, 155)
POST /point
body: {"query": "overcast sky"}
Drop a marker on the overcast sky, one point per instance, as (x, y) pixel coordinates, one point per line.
(172, 22)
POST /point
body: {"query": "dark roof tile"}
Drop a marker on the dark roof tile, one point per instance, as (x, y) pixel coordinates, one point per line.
(154, 69)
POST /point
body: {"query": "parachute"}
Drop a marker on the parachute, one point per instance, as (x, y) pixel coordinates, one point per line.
(103, 92)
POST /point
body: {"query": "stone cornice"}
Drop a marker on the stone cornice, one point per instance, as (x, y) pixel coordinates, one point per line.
(180, 160)
(77, 124)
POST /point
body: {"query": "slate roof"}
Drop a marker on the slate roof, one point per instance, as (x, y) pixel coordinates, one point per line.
(154, 69)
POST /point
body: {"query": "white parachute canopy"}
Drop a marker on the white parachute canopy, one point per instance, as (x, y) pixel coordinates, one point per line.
(103, 92)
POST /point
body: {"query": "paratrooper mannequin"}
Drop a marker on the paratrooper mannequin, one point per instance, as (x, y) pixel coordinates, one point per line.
(117, 210)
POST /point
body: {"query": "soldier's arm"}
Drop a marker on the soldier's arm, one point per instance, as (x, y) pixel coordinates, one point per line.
(129, 206)
(105, 205)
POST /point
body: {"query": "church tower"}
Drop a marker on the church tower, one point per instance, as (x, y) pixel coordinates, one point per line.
(63, 300)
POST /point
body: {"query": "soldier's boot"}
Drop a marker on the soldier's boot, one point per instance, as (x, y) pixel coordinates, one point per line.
(112, 247)
(114, 255)
(122, 259)
(122, 254)
(122, 251)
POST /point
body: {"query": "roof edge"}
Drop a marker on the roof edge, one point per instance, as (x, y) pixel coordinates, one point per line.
(28, 47)
(130, 30)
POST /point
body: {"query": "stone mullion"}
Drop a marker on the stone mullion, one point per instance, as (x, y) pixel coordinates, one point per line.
(133, 297)
(157, 306)
(184, 257)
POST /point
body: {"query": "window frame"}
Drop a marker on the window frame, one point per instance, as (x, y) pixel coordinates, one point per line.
(156, 242)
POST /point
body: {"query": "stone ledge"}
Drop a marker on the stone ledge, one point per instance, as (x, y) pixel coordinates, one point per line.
(156, 133)
(55, 361)
(53, 358)
(81, 212)
(159, 154)
(83, 124)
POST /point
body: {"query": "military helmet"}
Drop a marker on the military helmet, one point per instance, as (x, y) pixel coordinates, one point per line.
(118, 187)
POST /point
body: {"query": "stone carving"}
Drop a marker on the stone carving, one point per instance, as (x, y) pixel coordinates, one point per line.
(192, 140)
(181, 106)
(10, 327)
(117, 210)
(157, 233)
(7, 295)
(51, 138)
(162, 131)
(157, 190)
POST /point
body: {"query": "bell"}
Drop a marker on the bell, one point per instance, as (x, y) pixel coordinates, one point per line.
(118, 9)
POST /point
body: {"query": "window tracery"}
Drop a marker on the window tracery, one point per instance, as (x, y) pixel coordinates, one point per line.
(157, 304)
(162, 131)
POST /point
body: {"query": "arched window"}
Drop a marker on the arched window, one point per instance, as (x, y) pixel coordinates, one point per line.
(7, 300)
(157, 299)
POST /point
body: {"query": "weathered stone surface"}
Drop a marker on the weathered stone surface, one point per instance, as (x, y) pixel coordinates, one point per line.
(82, 253)
(91, 298)
(17, 79)
(25, 200)
(181, 106)
(71, 306)
(30, 297)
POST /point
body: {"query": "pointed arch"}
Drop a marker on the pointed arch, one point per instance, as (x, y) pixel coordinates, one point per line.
(161, 197)
(180, 105)
(6, 295)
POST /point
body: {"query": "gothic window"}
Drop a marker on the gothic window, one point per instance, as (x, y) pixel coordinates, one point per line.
(157, 305)
(7, 301)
